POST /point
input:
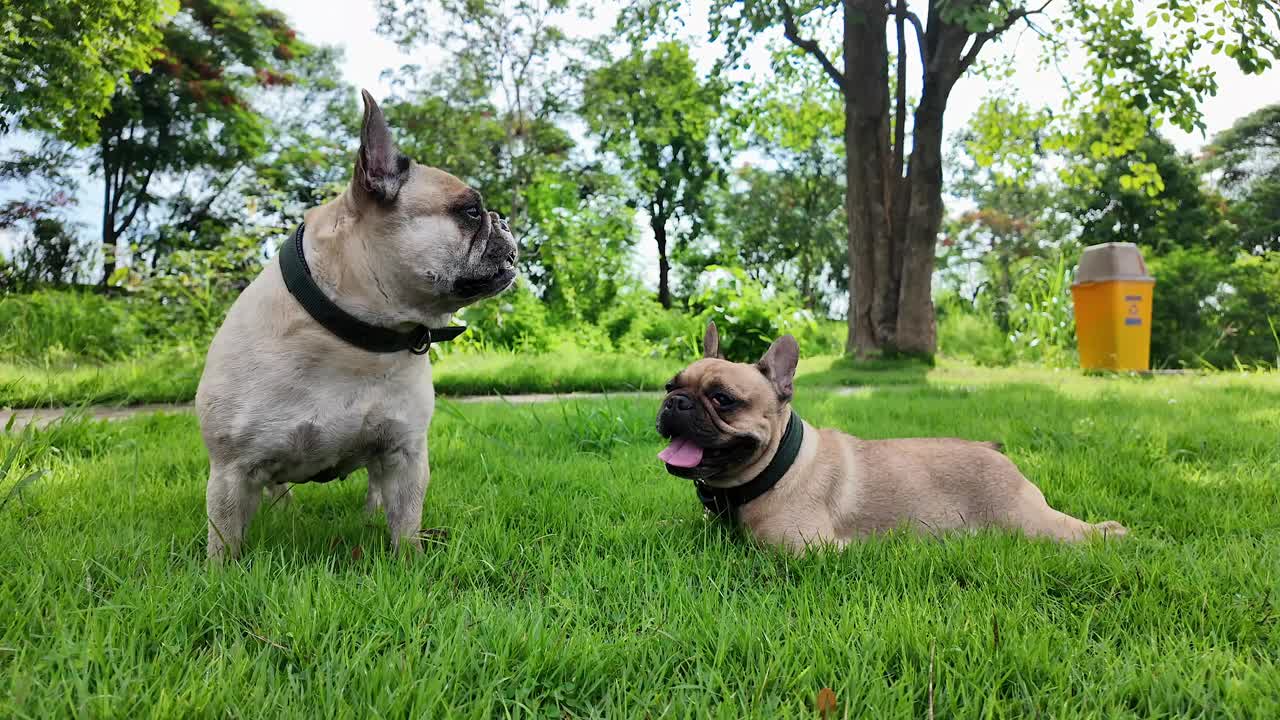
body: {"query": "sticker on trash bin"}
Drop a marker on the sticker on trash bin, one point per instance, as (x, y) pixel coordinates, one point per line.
(1134, 315)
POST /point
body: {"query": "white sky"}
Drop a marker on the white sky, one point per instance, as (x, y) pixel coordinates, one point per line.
(351, 24)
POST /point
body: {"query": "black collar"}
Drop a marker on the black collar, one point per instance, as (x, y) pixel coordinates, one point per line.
(297, 277)
(724, 502)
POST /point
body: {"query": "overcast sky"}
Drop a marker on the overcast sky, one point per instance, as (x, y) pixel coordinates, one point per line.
(351, 24)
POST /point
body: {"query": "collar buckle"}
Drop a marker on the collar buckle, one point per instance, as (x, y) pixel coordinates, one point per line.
(422, 344)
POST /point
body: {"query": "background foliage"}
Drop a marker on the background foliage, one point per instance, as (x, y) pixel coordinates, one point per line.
(209, 125)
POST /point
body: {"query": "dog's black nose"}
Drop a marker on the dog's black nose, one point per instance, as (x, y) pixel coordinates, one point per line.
(679, 403)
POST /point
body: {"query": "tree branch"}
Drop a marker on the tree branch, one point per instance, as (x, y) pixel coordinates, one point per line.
(900, 99)
(792, 33)
(901, 10)
(137, 202)
(983, 37)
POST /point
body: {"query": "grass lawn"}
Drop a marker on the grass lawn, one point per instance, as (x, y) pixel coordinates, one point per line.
(573, 577)
(173, 375)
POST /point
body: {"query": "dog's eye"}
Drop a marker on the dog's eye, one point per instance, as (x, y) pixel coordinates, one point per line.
(474, 212)
(722, 400)
(671, 385)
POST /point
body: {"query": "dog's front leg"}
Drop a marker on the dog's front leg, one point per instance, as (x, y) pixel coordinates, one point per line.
(400, 478)
(372, 500)
(231, 499)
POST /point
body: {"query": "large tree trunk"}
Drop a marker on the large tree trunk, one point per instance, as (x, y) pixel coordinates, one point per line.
(659, 226)
(917, 331)
(894, 218)
(872, 306)
(916, 326)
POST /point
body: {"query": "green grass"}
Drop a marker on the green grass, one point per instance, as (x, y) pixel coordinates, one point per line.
(170, 376)
(574, 578)
(173, 375)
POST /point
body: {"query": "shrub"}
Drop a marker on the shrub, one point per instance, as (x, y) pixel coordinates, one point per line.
(185, 297)
(965, 333)
(750, 318)
(515, 320)
(1251, 310)
(638, 325)
(1186, 295)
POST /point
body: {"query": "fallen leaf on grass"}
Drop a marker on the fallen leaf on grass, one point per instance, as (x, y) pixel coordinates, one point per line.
(826, 702)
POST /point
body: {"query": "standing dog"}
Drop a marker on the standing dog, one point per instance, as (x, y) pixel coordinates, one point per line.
(753, 460)
(320, 367)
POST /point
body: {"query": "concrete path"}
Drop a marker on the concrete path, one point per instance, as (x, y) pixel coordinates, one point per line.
(40, 417)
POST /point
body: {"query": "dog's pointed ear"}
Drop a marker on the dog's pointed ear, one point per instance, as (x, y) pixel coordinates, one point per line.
(778, 364)
(711, 342)
(380, 168)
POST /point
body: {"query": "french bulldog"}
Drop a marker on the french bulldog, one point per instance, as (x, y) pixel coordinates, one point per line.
(284, 399)
(753, 461)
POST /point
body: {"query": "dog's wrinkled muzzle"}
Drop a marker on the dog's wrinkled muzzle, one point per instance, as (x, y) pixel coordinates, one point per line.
(495, 270)
(677, 421)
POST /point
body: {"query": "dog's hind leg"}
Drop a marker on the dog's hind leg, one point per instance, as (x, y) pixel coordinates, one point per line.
(230, 501)
(401, 478)
(1037, 519)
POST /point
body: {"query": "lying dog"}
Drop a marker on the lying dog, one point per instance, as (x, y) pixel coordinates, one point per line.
(752, 460)
(320, 367)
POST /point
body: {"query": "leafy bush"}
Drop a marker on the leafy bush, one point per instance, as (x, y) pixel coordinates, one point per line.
(1212, 312)
(515, 320)
(1187, 283)
(638, 325)
(820, 337)
(1251, 310)
(185, 297)
(966, 334)
(750, 318)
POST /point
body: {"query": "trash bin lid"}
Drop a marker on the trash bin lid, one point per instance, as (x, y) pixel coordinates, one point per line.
(1111, 261)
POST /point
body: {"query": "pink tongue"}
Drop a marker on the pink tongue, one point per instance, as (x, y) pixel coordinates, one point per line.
(681, 453)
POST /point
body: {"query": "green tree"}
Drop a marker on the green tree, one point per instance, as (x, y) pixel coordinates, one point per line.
(191, 113)
(584, 234)
(512, 65)
(192, 109)
(1172, 211)
(62, 60)
(1149, 61)
(451, 122)
(652, 113)
(784, 221)
(494, 116)
(309, 124)
(1247, 156)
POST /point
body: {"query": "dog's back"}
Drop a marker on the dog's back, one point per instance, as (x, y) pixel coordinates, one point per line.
(930, 483)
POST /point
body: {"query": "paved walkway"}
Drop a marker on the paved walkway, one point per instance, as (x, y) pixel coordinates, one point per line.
(40, 417)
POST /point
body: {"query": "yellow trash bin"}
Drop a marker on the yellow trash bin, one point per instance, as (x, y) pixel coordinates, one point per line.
(1112, 295)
